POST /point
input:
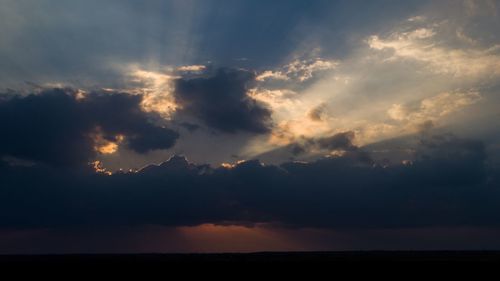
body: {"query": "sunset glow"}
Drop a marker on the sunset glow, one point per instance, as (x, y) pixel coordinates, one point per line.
(240, 126)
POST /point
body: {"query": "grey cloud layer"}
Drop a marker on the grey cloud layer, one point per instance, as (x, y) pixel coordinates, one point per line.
(55, 127)
(448, 185)
(221, 102)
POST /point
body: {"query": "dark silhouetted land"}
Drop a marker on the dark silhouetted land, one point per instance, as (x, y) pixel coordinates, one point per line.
(264, 257)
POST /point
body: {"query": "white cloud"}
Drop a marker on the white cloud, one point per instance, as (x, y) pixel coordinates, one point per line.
(269, 74)
(305, 69)
(433, 108)
(156, 89)
(191, 68)
(416, 19)
(299, 70)
(412, 78)
(417, 45)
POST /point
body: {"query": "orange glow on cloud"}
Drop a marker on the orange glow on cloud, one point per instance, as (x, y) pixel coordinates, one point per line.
(105, 146)
(108, 148)
(156, 90)
(234, 238)
(97, 165)
(80, 95)
(231, 165)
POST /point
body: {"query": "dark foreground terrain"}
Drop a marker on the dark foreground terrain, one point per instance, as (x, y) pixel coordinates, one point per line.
(271, 257)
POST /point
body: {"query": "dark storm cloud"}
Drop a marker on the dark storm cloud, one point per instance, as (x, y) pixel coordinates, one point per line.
(447, 185)
(316, 114)
(342, 141)
(221, 101)
(312, 148)
(59, 128)
(189, 126)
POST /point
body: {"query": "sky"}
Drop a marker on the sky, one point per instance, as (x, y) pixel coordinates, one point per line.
(249, 125)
